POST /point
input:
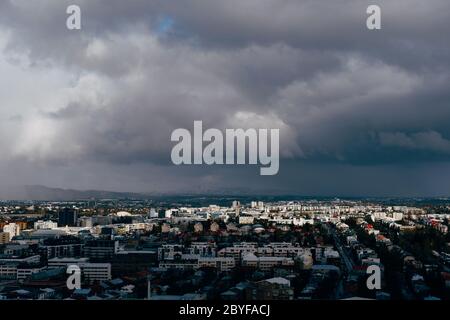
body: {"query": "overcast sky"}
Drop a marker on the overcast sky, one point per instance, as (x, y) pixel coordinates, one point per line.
(360, 112)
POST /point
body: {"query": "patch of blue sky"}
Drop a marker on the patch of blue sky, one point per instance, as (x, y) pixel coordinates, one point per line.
(164, 25)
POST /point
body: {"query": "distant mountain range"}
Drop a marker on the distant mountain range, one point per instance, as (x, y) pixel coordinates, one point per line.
(43, 193)
(201, 197)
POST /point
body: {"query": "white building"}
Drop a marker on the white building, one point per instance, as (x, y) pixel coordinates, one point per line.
(246, 219)
(13, 230)
(9, 266)
(265, 263)
(90, 271)
(40, 224)
(153, 213)
(238, 250)
(26, 271)
(96, 271)
(281, 249)
(379, 215)
(169, 251)
(169, 212)
(203, 249)
(85, 222)
(222, 264)
(65, 262)
(397, 216)
(257, 205)
(8, 271)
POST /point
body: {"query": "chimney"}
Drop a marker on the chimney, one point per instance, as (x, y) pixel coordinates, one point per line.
(149, 288)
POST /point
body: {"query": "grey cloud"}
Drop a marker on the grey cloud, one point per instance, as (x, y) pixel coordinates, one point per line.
(344, 96)
(430, 140)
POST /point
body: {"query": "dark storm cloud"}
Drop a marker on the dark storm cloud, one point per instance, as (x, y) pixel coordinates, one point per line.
(349, 101)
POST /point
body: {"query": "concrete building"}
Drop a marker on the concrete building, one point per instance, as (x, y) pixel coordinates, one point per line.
(266, 263)
(61, 247)
(397, 216)
(203, 249)
(13, 229)
(9, 266)
(8, 271)
(67, 217)
(221, 264)
(246, 219)
(25, 271)
(101, 249)
(236, 252)
(272, 289)
(40, 224)
(168, 251)
(90, 271)
(4, 237)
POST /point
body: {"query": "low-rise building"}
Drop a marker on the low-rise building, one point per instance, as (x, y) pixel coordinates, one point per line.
(90, 271)
(4, 237)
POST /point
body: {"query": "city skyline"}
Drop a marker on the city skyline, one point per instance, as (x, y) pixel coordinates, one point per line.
(224, 250)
